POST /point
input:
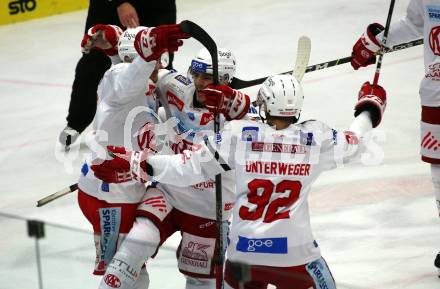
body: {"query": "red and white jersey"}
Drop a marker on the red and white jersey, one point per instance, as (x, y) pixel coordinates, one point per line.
(422, 19)
(274, 171)
(126, 105)
(176, 93)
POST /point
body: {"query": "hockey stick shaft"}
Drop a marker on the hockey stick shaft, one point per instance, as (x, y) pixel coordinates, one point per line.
(203, 37)
(239, 83)
(384, 42)
(59, 194)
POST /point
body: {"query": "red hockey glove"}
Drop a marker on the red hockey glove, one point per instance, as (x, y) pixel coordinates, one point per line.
(110, 172)
(372, 98)
(223, 99)
(365, 48)
(103, 37)
(125, 166)
(150, 43)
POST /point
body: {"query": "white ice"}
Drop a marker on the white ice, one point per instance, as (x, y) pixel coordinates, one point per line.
(377, 225)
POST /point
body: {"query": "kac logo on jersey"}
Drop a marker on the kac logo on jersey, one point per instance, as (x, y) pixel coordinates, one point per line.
(265, 245)
(249, 133)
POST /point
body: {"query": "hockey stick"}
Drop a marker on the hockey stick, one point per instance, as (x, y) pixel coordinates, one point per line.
(384, 42)
(239, 83)
(302, 57)
(203, 37)
(59, 194)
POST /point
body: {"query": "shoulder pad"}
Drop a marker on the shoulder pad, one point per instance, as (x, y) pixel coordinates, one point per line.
(313, 124)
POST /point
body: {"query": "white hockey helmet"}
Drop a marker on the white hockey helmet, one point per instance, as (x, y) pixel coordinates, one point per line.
(202, 63)
(126, 49)
(283, 96)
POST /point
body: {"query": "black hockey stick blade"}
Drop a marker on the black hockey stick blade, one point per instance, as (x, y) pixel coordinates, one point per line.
(239, 83)
(206, 40)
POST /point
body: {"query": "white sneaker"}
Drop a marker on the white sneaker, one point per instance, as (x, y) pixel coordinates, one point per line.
(68, 136)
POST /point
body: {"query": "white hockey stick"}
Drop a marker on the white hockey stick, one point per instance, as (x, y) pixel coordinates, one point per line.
(302, 57)
(59, 194)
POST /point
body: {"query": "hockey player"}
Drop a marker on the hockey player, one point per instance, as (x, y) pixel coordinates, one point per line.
(275, 164)
(176, 208)
(422, 18)
(125, 103)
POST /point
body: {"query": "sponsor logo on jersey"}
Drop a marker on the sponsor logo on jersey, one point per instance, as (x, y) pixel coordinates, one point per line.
(183, 79)
(110, 219)
(306, 138)
(196, 253)
(204, 185)
(278, 148)
(434, 40)
(265, 245)
(429, 142)
(433, 12)
(112, 281)
(21, 6)
(249, 133)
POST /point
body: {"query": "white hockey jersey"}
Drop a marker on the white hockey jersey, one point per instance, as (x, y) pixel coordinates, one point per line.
(274, 171)
(126, 106)
(422, 19)
(176, 94)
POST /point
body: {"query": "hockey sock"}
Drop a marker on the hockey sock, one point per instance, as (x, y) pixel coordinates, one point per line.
(143, 282)
(124, 270)
(435, 173)
(199, 283)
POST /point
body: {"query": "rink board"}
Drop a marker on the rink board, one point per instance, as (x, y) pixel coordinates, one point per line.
(13, 11)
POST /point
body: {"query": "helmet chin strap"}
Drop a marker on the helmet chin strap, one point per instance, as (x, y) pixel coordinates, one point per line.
(260, 108)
